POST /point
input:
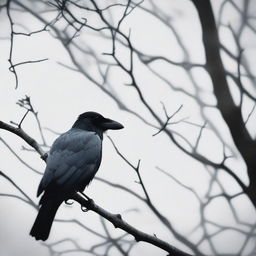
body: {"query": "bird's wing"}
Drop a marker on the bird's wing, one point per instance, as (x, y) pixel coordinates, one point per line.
(73, 161)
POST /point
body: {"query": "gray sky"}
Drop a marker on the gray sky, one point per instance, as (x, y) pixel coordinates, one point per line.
(60, 95)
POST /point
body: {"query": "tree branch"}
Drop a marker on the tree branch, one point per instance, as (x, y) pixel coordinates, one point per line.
(115, 219)
(118, 222)
(231, 113)
(19, 132)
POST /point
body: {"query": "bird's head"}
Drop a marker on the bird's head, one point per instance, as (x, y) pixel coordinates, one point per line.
(93, 121)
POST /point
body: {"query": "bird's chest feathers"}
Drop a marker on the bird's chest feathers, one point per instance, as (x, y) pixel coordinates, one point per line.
(74, 160)
(76, 149)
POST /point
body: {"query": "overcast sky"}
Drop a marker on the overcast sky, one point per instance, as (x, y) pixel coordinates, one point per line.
(60, 95)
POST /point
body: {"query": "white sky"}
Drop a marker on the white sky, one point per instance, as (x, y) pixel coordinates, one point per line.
(60, 95)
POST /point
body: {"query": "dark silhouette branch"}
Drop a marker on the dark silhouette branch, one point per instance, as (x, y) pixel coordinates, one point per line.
(154, 209)
(19, 132)
(118, 222)
(66, 27)
(115, 219)
(231, 113)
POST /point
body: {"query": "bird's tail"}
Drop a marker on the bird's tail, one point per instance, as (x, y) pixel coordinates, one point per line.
(43, 223)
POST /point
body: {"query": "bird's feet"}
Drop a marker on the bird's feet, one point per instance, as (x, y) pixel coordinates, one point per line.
(68, 202)
(90, 201)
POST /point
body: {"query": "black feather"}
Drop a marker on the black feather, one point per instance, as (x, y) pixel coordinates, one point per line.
(43, 223)
(72, 163)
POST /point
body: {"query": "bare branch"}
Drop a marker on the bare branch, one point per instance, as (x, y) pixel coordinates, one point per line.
(168, 118)
(19, 132)
(118, 222)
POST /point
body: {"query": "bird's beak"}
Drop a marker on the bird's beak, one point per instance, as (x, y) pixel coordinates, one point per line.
(109, 124)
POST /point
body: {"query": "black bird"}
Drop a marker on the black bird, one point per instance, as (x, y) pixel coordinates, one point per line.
(72, 163)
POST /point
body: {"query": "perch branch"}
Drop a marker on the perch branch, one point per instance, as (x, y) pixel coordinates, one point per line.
(115, 219)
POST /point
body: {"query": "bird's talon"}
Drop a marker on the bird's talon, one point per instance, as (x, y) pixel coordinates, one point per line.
(68, 203)
(84, 209)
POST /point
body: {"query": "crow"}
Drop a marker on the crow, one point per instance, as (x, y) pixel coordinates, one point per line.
(73, 161)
